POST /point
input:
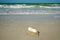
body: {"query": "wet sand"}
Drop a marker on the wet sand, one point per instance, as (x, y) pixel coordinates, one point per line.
(18, 30)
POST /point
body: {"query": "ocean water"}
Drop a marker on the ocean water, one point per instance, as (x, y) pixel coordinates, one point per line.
(29, 14)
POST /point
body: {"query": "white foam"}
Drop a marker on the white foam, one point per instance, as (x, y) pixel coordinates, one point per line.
(26, 6)
(15, 6)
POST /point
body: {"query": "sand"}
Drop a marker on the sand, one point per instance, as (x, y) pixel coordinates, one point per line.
(18, 30)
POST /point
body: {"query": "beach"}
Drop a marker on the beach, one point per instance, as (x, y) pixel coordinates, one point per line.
(14, 23)
(18, 30)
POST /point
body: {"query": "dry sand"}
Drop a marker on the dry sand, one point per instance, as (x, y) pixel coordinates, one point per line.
(18, 30)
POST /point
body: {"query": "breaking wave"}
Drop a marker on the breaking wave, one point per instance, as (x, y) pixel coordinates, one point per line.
(29, 6)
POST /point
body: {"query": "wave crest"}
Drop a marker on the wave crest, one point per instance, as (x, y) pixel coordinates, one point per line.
(28, 6)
